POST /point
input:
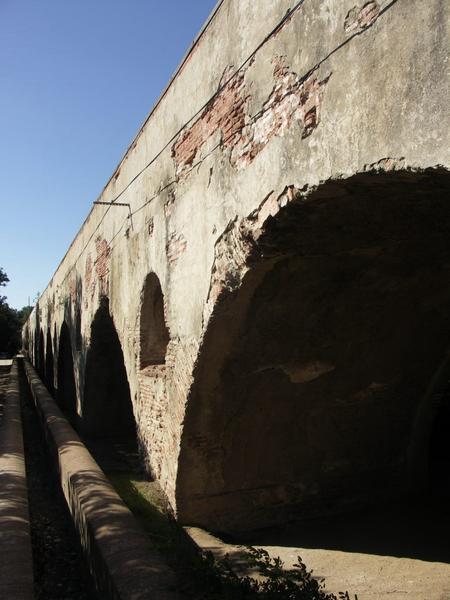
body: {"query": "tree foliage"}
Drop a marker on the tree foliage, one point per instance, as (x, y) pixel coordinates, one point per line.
(11, 321)
(4, 279)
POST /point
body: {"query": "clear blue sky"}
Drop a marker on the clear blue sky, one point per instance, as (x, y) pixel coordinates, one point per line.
(77, 79)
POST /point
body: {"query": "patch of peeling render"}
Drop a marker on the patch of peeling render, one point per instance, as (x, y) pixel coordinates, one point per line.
(293, 99)
(359, 18)
(236, 246)
(89, 281)
(175, 246)
(101, 265)
(73, 290)
(387, 164)
(225, 113)
(169, 204)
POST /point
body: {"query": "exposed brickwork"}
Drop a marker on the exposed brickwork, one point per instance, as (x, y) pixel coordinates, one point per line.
(89, 280)
(103, 255)
(176, 245)
(224, 114)
(235, 247)
(358, 19)
(386, 164)
(291, 100)
(102, 262)
(88, 271)
(73, 290)
(151, 408)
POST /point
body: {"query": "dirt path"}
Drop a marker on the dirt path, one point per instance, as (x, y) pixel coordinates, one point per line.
(397, 553)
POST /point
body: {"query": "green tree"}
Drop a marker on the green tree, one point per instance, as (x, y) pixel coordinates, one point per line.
(24, 313)
(4, 279)
(11, 321)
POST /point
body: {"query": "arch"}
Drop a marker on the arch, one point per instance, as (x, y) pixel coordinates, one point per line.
(78, 334)
(26, 340)
(66, 393)
(107, 410)
(41, 355)
(318, 353)
(36, 350)
(49, 369)
(154, 335)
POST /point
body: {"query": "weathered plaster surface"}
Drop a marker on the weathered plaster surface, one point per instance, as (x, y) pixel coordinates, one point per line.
(341, 88)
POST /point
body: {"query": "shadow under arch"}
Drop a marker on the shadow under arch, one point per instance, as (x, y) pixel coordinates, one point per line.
(66, 393)
(313, 366)
(154, 372)
(429, 448)
(107, 410)
(26, 340)
(41, 355)
(153, 332)
(49, 369)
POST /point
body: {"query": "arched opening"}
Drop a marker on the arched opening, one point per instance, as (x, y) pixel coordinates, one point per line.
(35, 357)
(78, 336)
(152, 377)
(313, 368)
(107, 411)
(26, 340)
(33, 349)
(66, 393)
(41, 356)
(49, 371)
(154, 335)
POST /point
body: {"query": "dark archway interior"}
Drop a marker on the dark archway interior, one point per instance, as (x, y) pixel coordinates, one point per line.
(78, 335)
(41, 356)
(66, 394)
(35, 349)
(108, 423)
(154, 335)
(439, 456)
(49, 370)
(312, 374)
(107, 409)
(26, 340)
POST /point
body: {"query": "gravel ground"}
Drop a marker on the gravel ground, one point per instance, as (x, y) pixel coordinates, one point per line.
(59, 569)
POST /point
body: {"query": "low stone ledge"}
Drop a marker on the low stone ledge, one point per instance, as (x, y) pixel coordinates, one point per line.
(16, 572)
(119, 553)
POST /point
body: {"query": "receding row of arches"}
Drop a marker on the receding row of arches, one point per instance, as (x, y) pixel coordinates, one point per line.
(312, 387)
(104, 409)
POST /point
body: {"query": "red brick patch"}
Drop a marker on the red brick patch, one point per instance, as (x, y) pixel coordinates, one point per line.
(358, 19)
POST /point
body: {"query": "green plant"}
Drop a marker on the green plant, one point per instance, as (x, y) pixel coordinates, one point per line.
(276, 582)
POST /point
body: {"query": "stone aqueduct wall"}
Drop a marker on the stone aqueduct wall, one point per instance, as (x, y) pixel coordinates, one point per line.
(296, 159)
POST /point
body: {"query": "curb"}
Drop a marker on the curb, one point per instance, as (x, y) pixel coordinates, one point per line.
(119, 554)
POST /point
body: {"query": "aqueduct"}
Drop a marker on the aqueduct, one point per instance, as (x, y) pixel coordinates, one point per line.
(262, 296)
